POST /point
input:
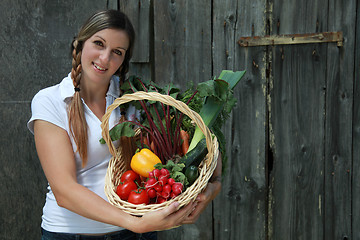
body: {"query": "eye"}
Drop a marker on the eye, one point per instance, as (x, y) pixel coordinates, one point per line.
(118, 52)
(98, 43)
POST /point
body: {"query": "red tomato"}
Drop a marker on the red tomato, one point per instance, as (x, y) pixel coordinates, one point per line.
(130, 175)
(139, 197)
(125, 188)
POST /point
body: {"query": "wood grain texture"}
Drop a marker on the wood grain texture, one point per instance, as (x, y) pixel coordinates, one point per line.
(240, 209)
(182, 41)
(339, 123)
(297, 118)
(355, 171)
(139, 14)
(182, 54)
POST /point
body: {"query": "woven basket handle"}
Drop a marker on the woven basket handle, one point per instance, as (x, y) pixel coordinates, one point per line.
(154, 96)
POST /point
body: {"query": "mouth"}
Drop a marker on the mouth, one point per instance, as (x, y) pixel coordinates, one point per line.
(99, 68)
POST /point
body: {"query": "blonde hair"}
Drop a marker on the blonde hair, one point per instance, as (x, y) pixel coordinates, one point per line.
(99, 21)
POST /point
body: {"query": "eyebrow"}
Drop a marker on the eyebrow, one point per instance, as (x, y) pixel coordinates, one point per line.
(105, 41)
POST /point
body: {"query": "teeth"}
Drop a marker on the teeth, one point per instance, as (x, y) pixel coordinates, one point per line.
(102, 69)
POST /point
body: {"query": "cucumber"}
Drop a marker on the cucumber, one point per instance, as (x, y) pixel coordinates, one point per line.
(196, 155)
(192, 173)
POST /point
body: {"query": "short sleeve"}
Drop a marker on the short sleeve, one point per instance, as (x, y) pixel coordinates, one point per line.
(45, 106)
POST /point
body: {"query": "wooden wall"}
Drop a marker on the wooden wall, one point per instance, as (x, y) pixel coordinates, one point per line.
(293, 139)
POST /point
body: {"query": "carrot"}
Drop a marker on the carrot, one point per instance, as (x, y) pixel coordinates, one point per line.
(145, 141)
(184, 136)
(152, 147)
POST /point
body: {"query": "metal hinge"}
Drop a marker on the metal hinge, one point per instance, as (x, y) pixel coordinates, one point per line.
(323, 37)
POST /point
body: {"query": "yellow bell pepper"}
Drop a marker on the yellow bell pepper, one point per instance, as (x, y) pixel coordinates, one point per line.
(143, 162)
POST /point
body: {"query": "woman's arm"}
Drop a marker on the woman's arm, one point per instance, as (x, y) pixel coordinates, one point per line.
(57, 159)
(211, 191)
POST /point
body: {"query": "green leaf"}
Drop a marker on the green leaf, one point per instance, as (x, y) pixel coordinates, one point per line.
(206, 88)
(180, 177)
(178, 167)
(120, 130)
(159, 166)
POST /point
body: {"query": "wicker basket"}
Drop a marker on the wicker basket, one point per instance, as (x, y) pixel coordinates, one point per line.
(117, 167)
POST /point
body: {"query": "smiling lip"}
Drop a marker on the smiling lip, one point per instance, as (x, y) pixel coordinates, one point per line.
(99, 68)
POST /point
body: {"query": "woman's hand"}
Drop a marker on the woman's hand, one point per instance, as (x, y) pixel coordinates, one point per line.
(203, 199)
(164, 219)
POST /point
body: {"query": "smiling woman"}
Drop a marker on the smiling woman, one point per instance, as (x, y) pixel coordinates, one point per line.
(66, 125)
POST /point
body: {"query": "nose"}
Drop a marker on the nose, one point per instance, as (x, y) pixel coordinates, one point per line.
(105, 57)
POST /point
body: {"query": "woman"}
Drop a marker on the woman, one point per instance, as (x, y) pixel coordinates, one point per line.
(66, 125)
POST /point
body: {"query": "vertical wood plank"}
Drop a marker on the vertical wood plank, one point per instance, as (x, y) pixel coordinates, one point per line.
(139, 13)
(240, 209)
(339, 116)
(355, 172)
(182, 41)
(182, 54)
(297, 105)
(112, 4)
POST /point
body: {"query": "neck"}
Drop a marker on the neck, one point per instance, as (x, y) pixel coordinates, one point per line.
(91, 92)
(94, 96)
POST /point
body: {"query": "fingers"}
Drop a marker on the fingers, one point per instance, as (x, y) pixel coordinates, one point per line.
(172, 208)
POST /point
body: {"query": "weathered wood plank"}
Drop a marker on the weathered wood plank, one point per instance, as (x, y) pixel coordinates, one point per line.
(139, 14)
(296, 112)
(182, 53)
(339, 117)
(240, 209)
(112, 4)
(355, 172)
(182, 41)
(297, 123)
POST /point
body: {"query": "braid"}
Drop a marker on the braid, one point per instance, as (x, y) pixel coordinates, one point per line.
(76, 65)
(77, 121)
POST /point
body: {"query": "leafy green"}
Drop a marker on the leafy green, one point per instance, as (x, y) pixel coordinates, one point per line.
(119, 130)
(219, 101)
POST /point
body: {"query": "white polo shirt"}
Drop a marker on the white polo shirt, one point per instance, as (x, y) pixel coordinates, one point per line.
(50, 104)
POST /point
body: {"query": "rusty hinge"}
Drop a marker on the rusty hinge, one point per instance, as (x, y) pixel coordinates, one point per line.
(292, 39)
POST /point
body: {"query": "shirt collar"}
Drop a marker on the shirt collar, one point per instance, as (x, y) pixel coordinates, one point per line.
(67, 87)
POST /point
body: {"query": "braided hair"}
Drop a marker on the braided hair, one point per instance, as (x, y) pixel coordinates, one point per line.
(99, 21)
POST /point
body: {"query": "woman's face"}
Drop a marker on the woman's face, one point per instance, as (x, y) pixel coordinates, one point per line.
(103, 54)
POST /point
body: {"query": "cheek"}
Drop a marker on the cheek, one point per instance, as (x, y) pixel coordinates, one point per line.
(86, 56)
(118, 63)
